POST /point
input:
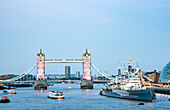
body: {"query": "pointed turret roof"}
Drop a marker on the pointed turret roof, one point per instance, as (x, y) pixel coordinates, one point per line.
(86, 51)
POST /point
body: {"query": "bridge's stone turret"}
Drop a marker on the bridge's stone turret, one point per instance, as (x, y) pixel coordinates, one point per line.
(40, 65)
(40, 82)
(87, 65)
(87, 82)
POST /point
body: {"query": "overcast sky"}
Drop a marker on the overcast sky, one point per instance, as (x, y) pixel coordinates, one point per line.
(112, 30)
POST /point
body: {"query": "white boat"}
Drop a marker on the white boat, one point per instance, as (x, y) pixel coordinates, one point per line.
(56, 95)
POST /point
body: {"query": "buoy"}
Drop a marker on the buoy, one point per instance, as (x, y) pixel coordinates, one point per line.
(140, 103)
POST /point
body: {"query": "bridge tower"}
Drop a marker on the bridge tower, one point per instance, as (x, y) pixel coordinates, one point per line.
(40, 65)
(87, 65)
(40, 81)
(87, 82)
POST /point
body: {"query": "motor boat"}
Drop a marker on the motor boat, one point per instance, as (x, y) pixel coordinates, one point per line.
(69, 87)
(56, 95)
(4, 99)
(9, 92)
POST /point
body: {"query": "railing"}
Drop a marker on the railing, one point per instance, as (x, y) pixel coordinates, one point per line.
(53, 59)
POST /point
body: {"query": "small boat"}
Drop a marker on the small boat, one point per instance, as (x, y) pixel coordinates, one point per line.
(5, 99)
(50, 84)
(9, 92)
(11, 87)
(56, 95)
(69, 87)
(3, 87)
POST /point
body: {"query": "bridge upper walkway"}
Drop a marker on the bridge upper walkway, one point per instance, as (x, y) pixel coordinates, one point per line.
(63, 60)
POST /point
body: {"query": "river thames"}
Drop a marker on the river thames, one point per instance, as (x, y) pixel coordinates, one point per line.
(77, 99)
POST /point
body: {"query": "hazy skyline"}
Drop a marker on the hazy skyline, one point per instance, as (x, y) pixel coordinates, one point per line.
(112, 30)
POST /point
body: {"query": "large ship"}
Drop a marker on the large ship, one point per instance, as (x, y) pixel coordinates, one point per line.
(132, 90)
(131, 87)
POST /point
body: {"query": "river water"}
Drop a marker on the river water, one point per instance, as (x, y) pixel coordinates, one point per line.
(77, 99)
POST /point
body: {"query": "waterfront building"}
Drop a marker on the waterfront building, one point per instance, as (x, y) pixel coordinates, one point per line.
(7, 76)
(77, 74)
(67, 71)
(153, 75)
(165, 74)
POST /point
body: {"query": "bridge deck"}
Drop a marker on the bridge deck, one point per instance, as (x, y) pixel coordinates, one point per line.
(63, 60)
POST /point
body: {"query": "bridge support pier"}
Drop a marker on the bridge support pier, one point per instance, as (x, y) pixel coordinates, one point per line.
(39, 84)
(86, 84)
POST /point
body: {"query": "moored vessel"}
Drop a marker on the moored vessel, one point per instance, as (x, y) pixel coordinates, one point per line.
(132, 91)
(129, 86)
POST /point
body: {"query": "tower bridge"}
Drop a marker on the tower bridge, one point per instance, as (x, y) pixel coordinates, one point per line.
(86, 83)
(86, 62)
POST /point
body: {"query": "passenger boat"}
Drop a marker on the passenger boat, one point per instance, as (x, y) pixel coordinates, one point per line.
(56, 95)
(132, 90)
(5, 99)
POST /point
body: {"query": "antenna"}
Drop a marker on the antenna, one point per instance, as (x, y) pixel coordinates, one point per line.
(137, 64)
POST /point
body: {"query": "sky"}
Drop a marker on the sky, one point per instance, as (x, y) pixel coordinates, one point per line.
(114, 31)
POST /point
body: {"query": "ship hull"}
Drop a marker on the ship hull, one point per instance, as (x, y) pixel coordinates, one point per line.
(141, 95)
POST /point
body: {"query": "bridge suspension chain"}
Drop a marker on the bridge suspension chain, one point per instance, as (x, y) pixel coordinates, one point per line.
(101, 72)
(20, 76)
